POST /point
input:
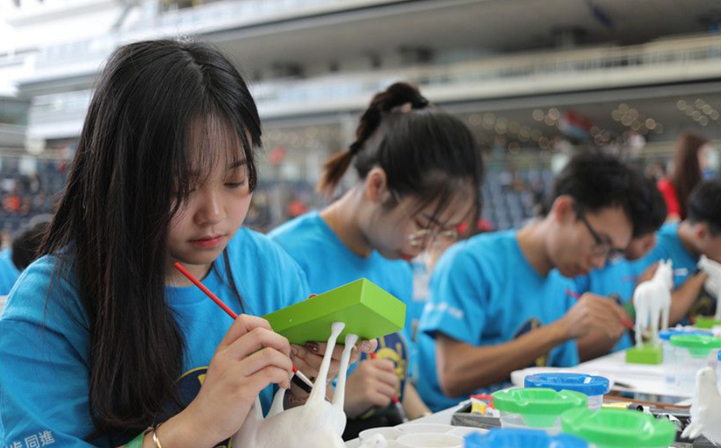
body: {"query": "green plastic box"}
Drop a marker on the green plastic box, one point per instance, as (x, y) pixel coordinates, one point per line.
(367, 310)
(648, 354)
(706, 322)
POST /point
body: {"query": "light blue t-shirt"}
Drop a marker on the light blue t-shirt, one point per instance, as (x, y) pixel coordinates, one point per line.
(328, 263)
(484, 292)
(44, 344)
(614, 280)
(669, 246)
(8, 272)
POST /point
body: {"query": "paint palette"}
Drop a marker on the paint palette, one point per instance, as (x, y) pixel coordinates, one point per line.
(365, 308)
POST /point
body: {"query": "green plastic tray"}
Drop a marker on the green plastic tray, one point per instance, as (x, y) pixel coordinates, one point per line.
(367, 310)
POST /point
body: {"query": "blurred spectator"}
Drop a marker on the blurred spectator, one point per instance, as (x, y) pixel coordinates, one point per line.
(689, 162)
(23, 251)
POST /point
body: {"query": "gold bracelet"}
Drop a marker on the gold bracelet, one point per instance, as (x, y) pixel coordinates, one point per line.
(156, 438)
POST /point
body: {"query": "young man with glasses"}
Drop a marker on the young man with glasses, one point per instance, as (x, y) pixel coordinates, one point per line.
(503, 301)
(619, 277)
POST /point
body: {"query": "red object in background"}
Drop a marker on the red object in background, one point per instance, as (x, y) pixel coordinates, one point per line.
(276, 156)
(12, 203)
(576, 119)
(296, 208)
(668, 191)
(485, 225)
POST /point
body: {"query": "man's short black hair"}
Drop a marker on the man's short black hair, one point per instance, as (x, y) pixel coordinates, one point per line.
(595, 181)
(704, 205)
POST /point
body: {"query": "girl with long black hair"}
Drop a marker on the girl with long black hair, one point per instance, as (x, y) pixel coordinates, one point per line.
(102, 337)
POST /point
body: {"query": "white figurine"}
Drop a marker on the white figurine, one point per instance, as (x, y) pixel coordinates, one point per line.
(652, 301)
(706, 408)
(315, 424)
(713, 283)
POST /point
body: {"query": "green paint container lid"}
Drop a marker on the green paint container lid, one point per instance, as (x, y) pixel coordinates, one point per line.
(540, 407)
(617, 428)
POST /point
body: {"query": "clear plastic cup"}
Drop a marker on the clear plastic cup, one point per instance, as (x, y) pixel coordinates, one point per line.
(692, 353)
(669, 355)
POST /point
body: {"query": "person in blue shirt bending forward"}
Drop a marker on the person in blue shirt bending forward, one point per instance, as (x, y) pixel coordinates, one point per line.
(684, 243)
(619, 277)
(419, 172)
(500, 302)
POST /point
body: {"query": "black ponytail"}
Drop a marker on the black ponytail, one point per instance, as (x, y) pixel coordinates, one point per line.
(423, 150)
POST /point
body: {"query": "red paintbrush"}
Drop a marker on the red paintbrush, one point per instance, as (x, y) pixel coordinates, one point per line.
(228, 311)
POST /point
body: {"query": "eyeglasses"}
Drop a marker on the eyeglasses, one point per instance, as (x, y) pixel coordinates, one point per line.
(424, 236)
(602, 247)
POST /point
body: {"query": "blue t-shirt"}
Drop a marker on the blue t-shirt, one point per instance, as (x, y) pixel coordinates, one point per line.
(8, 272)
(669, 246)
(614, 280)
(328, 263)
(44, 344)
(484, 292)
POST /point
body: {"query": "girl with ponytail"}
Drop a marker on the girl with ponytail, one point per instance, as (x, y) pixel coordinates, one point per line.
(419, 174)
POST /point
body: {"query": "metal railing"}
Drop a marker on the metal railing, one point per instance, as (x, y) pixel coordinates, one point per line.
(663, 61)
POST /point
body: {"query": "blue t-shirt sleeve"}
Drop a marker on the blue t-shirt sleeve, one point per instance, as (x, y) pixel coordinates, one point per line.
(44, 371)
(458, 296)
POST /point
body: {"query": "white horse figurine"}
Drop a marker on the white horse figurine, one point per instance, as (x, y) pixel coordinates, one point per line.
(706, 408)
(713, 284)
(652, 300)
(315, 424)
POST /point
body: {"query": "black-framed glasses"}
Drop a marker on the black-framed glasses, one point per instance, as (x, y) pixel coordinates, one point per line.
(424, 235)
(602, 247)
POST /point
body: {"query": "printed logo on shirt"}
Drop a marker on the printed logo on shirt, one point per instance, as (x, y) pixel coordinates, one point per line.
(444, 308)
(188, 388)
(393, 348)
(41, 439)
(529, 325)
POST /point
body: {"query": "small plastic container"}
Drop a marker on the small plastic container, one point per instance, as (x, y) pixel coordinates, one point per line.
(593, 387)
(539, 408)
(617, 428)
(669, 357)
(692, 353)
(387, 432)
(525, 438)
(426, 428)
(429, 440)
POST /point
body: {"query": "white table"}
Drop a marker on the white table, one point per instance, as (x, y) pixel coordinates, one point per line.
(439, 417)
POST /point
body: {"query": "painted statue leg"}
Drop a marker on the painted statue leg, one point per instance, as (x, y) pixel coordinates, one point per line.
(339, 396)
(318, 392)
